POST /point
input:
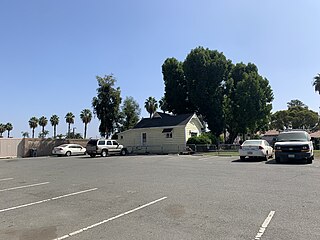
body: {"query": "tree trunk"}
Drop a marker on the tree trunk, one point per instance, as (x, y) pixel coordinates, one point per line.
(32, 132)
(85, 131)
(54, 131)
(8, 134)
(69, 130)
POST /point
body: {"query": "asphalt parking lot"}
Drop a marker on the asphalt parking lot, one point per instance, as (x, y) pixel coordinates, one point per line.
(158, 197)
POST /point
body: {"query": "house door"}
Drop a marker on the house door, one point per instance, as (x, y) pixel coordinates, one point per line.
(144, 139)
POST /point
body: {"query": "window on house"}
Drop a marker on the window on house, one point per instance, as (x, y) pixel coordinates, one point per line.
(144, 138)
(121, 137)
(193, 134)
(167, 132)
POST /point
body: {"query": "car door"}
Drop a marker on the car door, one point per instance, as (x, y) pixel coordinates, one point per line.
(115, 146)
(110, 146)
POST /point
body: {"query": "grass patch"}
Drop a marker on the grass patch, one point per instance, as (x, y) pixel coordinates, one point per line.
(317, 153)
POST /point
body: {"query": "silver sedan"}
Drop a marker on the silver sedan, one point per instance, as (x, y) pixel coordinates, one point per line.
(69, 149)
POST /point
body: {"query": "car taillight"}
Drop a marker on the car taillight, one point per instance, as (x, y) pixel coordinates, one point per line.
(260, 147)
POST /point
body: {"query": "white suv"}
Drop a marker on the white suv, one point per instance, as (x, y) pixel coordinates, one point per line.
(104, 147)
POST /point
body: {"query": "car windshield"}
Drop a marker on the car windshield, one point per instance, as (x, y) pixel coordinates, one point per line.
(252, 142)
(92, 142)
(293, 137)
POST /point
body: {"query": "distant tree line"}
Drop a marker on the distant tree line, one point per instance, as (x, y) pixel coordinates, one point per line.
(5, 127)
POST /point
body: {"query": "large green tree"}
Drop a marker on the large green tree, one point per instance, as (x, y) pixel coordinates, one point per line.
(86, 117)
(106, 104)
(247, 103)
(43, 121)
(176, 89)
(163, 104)
(297, 116)
(33, 123)
(54, 120)
(206, 72)
(69, 120)
(130, 111)
(9, 128)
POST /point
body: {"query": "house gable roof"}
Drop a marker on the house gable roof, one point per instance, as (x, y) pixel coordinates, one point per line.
(164, 120)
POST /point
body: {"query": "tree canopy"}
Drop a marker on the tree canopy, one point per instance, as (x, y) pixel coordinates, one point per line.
(228, 97)
(130, 113)
(297, 116)
(106, 104)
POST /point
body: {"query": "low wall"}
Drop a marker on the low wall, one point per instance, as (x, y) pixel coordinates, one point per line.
(10, 147)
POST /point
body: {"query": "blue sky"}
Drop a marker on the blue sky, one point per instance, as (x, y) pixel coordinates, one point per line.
(51, 51)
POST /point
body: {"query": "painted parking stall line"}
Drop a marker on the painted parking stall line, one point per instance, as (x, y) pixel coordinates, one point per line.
(109, 219)
(47, 200)
(264, 226)
(5, 179)
(25, 186)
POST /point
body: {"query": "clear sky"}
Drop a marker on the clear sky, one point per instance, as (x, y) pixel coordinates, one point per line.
(51, 51)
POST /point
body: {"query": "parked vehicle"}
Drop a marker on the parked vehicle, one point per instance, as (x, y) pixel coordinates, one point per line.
(105, 147)
(255, 149)
(291, 145)
(69, 149)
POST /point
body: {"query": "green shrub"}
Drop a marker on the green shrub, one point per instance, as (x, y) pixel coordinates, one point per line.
(202, 139)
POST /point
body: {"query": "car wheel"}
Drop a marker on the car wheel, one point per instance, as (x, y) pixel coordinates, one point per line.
(104, 153)
(92, 155)
(309, 160)
(123, 152)
(68, 154)
(242, 158)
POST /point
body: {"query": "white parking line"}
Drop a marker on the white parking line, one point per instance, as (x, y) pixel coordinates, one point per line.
(5, 179)
(25, 186)
(46, 200)
(108, 220)
(264, 226)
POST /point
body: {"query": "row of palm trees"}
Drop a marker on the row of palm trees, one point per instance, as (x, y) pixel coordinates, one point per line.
(85, 115)
(5, 127)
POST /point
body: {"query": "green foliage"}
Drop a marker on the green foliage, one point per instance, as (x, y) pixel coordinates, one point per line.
(176, 89)
(130, 113)
(316, 83)
(25, 134)
(247, 101)
(296, 103)
(205, 72)
(2, 129)
(43, 134)
(70, 120)
(86, 117)
(43, 121)
(9, 128)
(202, 139)
(229, 97)
(54, 120)
(33, 123)
(106, 104)
(163, 104)
(151, 105)
(298, 116)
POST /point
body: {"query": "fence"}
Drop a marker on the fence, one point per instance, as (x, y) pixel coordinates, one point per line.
(219, 149)
(181, 148)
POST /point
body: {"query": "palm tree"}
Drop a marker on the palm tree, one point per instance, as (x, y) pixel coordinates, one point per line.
(316, 83)
(151, 105)
(33, 123)
(54, 122)
(43, 121)
(86, 117)
(2, 129)
(70, 120)
(25, 134)
(9, 127)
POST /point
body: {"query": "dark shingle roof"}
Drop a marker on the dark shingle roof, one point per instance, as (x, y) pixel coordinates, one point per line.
(164, 120)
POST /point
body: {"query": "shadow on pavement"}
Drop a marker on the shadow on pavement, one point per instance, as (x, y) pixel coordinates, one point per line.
(247, 160)
(291, 162)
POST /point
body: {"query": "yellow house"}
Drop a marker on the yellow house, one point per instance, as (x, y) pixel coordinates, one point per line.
(163, 133)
